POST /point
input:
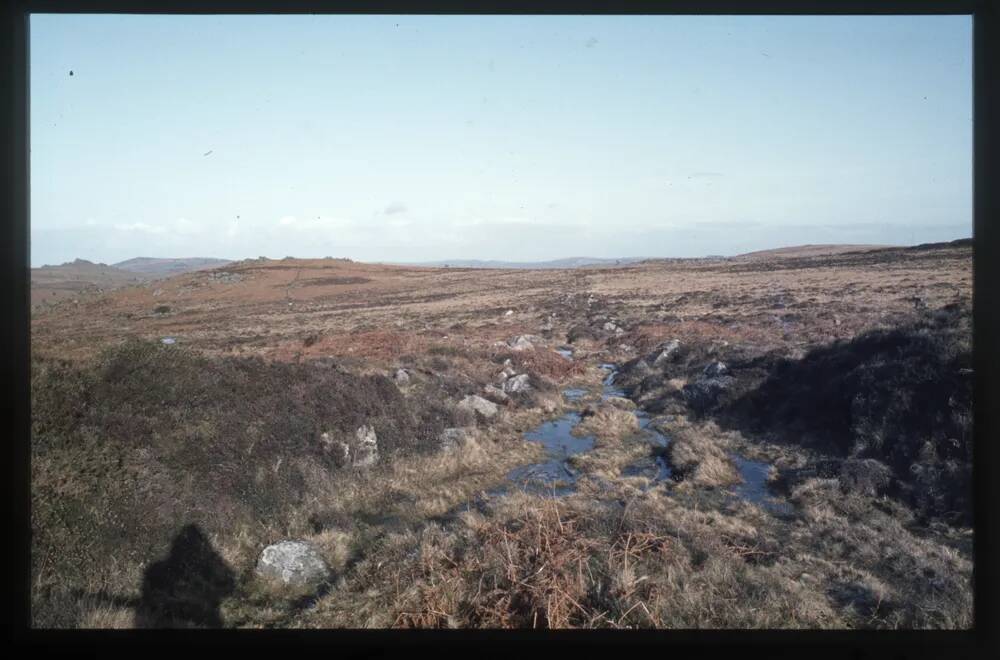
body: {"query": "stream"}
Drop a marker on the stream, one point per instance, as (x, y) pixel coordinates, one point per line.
(555, 477)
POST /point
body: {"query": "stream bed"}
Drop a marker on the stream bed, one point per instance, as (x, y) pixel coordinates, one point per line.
(554, 476)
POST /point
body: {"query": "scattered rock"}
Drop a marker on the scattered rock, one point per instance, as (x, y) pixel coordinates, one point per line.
(496, 394)
(366, 450)
(295, 564)
(716, 369)
(509, 312)
(524, 342)
(664, 352)
(168, 340)
(401, 377)
(610, 326)
(479, 405)
(519, 383)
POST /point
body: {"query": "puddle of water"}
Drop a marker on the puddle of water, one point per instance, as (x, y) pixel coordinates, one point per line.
(754, 486)
(168, 340)
(565, 352)
(574, 393)
(553, 473)
(555, 436)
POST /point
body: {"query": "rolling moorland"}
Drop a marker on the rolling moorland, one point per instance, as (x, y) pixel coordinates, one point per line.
(775, 440)
(68, 281)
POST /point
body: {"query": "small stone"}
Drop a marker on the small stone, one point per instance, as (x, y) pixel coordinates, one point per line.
(716, 369)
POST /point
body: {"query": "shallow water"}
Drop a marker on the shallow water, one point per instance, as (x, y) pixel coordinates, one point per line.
(555, 477)
(565, 352)
(559, 445)
(610, 389)
(754, 487)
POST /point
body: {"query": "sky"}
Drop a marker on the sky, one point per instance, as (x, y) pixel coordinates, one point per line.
(518, 138)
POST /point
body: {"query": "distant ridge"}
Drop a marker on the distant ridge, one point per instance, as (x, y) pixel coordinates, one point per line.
(569, 262)
(155, 267)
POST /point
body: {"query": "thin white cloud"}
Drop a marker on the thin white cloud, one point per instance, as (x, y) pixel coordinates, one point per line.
(142, 227)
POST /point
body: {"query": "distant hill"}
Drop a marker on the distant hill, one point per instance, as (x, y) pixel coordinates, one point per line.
(166, 267)
(811, 250)
(569, 262)
(51, 284)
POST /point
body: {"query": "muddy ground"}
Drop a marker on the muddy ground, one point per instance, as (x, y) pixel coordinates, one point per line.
(814, 406)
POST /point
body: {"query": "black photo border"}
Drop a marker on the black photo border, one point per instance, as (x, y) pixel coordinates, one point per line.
(981, 641)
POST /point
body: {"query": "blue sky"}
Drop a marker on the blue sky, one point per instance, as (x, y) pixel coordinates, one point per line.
(411, 138)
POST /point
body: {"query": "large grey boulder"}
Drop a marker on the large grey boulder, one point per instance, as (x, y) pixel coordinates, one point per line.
(401, 377)
(294, 564)
(521, 383)
(479, 405)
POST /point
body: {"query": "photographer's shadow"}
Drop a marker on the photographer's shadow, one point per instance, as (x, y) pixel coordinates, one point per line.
(184, 590)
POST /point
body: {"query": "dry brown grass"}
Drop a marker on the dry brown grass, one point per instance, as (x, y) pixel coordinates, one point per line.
(698, 454)
(607, 423)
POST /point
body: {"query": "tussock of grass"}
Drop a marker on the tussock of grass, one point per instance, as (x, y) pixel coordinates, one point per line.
(607, 423)
(698, 455)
